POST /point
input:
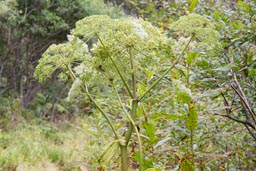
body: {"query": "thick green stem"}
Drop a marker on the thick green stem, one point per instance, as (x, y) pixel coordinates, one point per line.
(134, 126)
(134, 101)
(124, 158)
(133, 74)
(191, 145)
(168, 70)
(133, 116)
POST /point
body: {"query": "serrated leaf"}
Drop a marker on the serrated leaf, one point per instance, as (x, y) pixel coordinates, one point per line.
(191, 120)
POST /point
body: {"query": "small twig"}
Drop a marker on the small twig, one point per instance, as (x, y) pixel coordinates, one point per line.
(245, 122)
(226, 104)
(250, 132)
(144, 112)
(241, 92)
(247, 108)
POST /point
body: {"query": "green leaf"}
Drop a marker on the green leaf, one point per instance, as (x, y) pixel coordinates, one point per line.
(192, 5)
(224, 68)
(141, 89)
(153, 169)
(246, 7)
(216, 15)
(150, 130)
(147, 163)
(150, 75)
(162, 141)
(110, 152)
(191, 57)
(60, 108)
(182, 93)
(252, 72)
(191, 120)
(158, 116)
(186, 165)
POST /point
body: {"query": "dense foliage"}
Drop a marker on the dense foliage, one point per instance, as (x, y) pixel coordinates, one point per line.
(172, 90)
(27, 29)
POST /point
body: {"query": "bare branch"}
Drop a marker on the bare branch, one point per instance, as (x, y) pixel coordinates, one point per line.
(245, 122)
(251, 133)
(250, 114)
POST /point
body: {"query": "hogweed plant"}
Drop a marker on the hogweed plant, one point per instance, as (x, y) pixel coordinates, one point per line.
(115, 63)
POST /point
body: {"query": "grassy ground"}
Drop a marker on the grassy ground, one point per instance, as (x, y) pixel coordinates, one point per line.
(41, 146)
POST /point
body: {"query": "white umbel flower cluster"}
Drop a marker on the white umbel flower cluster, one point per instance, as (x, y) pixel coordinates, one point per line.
(139, 30)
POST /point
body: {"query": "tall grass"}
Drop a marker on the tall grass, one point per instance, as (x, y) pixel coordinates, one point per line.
(43, 146)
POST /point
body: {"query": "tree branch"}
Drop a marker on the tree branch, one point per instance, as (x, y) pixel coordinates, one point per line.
(241, 94)
(250, 132)
(245, 122)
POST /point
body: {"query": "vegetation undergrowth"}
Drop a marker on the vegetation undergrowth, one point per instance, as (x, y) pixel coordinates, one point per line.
(122, 66)
(77, 144)
(39, 145)
(180, 96)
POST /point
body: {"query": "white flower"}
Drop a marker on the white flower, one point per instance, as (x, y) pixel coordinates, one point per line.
(70, 37)
(139, 30)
